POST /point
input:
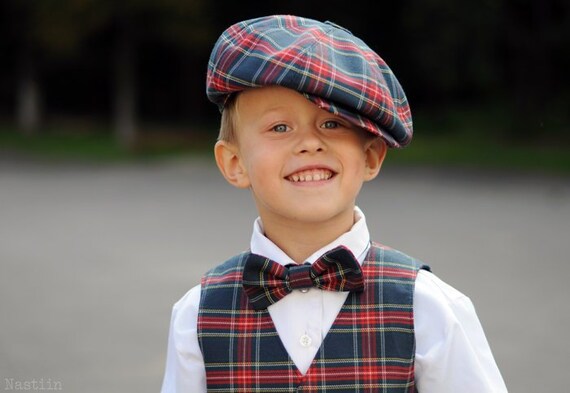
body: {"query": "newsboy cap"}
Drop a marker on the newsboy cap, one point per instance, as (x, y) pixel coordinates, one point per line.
(333, 68)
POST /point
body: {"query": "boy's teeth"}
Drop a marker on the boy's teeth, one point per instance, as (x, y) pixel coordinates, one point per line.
(313, 175)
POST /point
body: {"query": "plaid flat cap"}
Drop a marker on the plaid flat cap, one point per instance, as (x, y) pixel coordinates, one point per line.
(329, 65)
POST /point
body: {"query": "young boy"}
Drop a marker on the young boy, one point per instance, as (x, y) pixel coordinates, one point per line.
(308, 112)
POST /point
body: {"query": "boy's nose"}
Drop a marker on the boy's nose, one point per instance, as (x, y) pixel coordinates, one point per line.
(310, 141)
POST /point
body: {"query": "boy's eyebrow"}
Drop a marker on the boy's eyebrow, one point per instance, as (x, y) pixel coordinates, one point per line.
(274, 108)
(270, 114)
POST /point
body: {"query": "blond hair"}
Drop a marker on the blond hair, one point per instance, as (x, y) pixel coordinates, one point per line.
(228, 131)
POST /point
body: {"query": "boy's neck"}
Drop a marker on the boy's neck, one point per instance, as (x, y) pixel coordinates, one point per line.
(299, 240)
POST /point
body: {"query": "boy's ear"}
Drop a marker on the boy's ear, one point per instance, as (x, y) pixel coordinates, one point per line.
(230, 164)
(376, 150)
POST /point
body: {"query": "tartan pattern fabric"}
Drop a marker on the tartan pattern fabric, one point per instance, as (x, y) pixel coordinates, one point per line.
(369, 348)
(266, 282)
(329, 65)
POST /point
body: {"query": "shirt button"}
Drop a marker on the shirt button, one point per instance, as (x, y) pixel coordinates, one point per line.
(304, 290)
(305, 340)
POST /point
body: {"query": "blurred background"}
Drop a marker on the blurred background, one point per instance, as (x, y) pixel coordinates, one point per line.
(111, 207)
(104, 75)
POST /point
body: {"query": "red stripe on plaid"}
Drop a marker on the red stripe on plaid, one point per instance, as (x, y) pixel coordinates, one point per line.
(400, 318)
(229, 278)
(242, 324)
(335, 374)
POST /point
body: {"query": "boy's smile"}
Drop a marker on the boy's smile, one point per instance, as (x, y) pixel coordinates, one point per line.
(310, 174)
(304, 166)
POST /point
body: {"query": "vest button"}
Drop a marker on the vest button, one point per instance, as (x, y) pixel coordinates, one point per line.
(305, 340)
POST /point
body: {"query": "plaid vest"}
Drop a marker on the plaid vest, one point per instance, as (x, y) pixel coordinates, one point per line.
(369, 348)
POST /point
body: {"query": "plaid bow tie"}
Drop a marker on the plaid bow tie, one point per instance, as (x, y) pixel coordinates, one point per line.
(266, 282)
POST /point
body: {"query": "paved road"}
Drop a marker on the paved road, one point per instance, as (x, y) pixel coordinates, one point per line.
(92, 259)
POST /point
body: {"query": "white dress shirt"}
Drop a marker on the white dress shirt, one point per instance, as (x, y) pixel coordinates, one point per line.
(452, 353)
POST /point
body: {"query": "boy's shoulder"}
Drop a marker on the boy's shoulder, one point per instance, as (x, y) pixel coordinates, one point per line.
(228, 269)
(391, 256)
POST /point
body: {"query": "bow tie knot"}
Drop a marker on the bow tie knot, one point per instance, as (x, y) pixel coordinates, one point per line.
(299, 276)
(266, 282)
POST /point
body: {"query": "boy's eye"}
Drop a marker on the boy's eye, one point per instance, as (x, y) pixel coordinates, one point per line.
(280, 128)
(329, 124)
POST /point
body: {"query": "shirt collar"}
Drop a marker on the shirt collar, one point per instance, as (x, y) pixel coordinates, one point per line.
(357, 240)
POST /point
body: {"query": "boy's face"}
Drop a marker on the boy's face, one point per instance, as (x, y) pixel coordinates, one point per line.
(302, 164)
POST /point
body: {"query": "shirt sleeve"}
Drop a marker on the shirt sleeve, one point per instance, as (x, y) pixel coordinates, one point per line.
(452, 352)
(185, 371)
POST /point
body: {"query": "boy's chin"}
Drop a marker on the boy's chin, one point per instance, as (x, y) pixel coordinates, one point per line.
(320, 214)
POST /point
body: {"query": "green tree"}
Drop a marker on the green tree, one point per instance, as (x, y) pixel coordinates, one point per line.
(57, 28)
